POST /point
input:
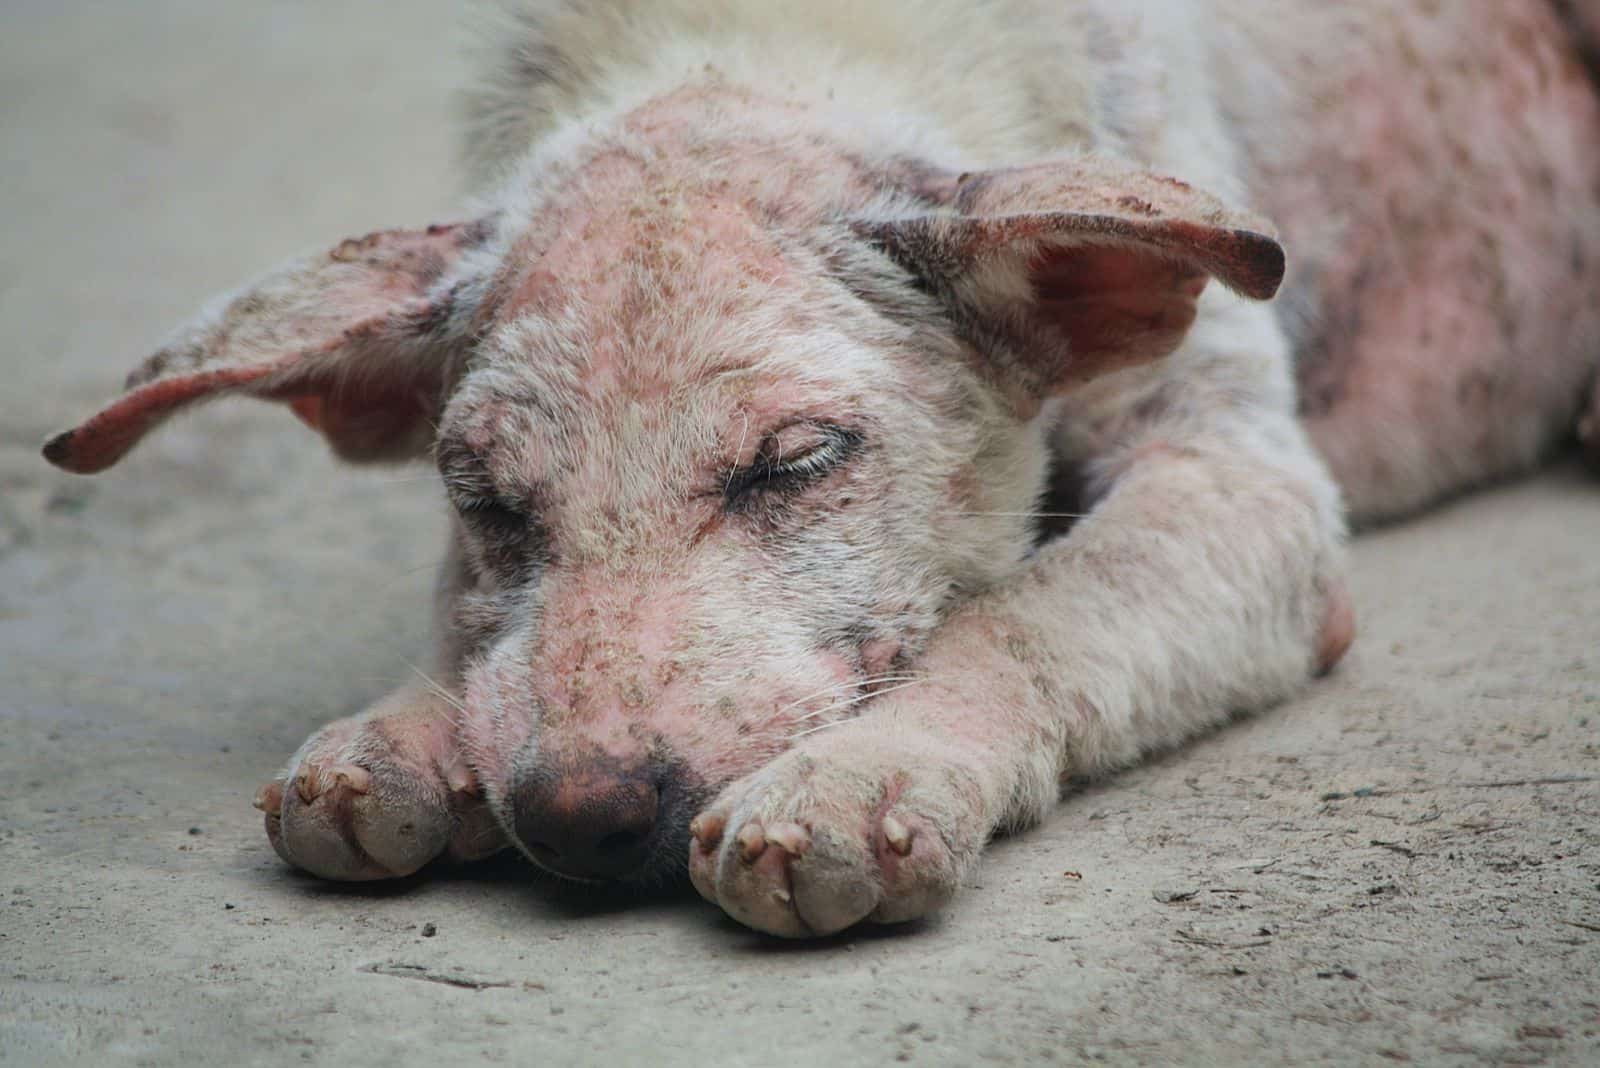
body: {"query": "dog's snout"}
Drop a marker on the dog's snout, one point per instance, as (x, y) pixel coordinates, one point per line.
(588, 819)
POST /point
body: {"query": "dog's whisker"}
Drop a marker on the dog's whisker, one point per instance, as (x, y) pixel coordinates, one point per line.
(847, 702)
(844, 702)
(436, 688)
(733, 470)
(852, 702)
(849, 684)
(915, 680)
(1031, 515)
(834, 688)
(856, 698)
(873, 680)
(820, 727)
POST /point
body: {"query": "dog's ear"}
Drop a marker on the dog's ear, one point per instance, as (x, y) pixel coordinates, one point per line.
(1075, 268)
(361, 342)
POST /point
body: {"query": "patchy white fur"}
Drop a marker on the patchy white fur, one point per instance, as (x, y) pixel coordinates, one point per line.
(1198, 586)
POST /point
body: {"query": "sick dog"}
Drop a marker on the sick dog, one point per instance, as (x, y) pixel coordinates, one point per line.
(864, 418)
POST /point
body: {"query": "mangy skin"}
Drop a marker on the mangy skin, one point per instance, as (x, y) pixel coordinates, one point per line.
(931, 249)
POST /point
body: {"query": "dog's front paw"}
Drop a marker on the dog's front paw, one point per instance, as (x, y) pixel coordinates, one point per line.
(378, 796)
(862, 826)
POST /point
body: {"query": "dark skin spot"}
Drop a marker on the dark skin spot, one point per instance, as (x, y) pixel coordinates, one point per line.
(1046, 688)
(1476, 390)
(249, 304)
(352, 248)
(436, 316)
(971, 188)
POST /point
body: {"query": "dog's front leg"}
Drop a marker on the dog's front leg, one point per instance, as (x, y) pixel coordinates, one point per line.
(1206, 582)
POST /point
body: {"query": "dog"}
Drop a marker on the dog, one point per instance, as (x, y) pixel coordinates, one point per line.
(863, 420)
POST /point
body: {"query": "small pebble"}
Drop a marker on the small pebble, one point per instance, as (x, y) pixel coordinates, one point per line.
(429, 930)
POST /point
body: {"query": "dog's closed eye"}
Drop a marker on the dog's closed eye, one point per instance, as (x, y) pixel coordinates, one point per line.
(491, 513)
(789, 460)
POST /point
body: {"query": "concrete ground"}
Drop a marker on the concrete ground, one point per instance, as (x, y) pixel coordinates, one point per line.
(1401, 866)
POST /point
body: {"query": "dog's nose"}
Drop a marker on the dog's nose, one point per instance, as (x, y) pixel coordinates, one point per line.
(590, 819)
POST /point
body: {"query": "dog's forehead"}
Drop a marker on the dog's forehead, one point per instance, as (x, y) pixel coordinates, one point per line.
(640, 275)
(672, 194)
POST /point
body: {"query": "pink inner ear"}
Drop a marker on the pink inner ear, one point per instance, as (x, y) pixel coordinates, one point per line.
(363, 421)
(1116, 306)
(308, 410)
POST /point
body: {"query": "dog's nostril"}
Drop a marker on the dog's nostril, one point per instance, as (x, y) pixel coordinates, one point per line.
(618, 842)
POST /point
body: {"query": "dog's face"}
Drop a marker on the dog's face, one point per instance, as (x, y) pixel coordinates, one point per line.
(725, 436)
(709, 497)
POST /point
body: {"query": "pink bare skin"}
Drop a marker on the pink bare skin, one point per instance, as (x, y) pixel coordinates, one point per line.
(756, 407)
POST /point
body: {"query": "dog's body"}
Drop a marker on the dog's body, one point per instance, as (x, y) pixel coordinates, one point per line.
(780, 323)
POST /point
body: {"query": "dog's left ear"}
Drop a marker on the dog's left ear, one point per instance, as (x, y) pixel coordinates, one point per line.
(1072, 269)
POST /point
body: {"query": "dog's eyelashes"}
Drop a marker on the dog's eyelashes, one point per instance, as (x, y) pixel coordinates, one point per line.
(473, 492)
(789, 460)
(492, 513)
(505, 540)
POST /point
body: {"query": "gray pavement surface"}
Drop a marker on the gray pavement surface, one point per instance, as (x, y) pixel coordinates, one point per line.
(1401, 866)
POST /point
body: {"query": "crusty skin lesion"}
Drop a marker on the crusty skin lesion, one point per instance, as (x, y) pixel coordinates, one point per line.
(749, 378)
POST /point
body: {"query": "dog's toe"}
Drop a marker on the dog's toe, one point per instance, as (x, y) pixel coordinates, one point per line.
(811, 846)
(365, 799)
(352, 823)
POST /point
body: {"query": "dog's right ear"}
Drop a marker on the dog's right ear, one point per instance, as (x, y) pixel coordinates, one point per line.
(362, 342)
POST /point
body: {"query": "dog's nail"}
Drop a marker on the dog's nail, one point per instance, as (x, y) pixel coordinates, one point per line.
(358, 779)
(898, 835)
(269, 798)
(308, 785)
(752, 842)
(707, 830)
(790, 837)
(782, 895)
(459, 778)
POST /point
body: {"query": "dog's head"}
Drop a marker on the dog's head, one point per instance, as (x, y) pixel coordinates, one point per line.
(728, 421)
